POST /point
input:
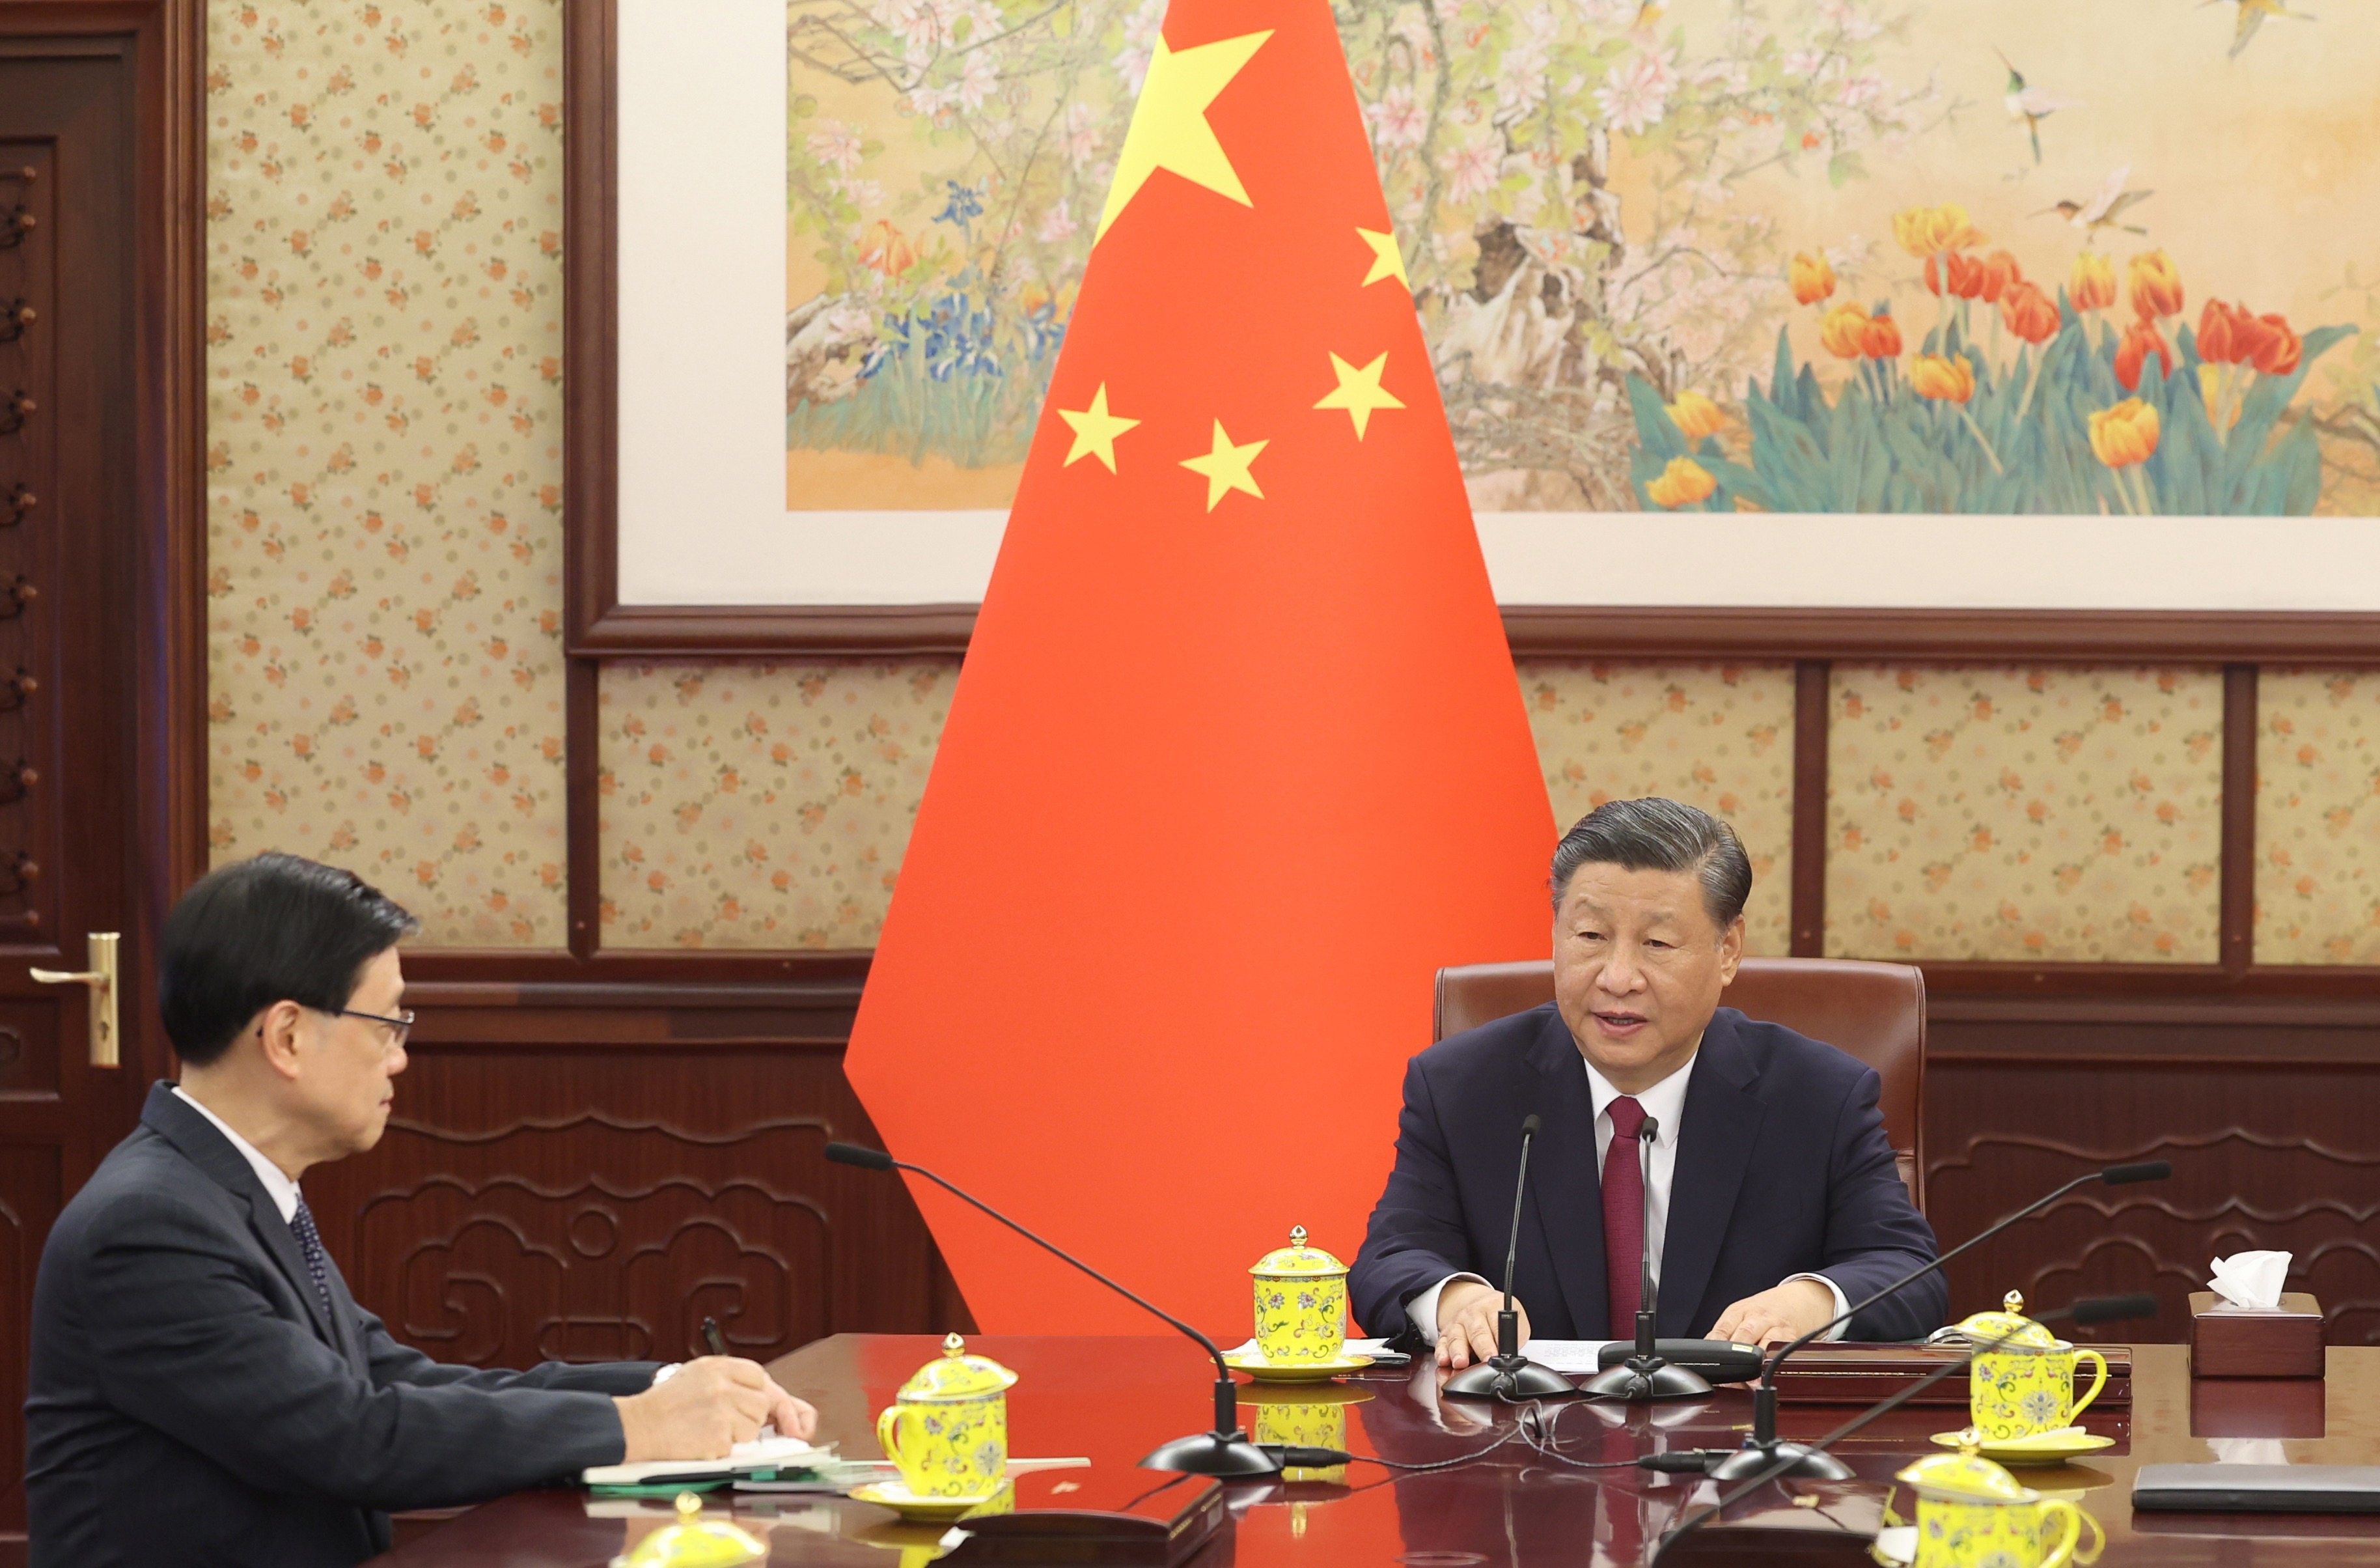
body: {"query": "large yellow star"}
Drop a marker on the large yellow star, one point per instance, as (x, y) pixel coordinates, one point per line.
(1388, 261)
(1169, 127)
(1359, 392)
(1226, 468)
(1095, 429)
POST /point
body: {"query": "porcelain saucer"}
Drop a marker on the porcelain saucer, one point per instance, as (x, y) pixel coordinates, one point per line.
(1265, 1371)
(896, 1495)
(2042, 1448)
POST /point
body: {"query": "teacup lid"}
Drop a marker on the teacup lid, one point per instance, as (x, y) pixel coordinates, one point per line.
(1965, 1474)
(1297, 1258)
(695, 1542)
(2011, 1325)
(956, 1375)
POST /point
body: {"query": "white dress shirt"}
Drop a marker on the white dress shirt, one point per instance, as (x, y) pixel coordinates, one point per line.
(1665, 1105)
(277, 1185)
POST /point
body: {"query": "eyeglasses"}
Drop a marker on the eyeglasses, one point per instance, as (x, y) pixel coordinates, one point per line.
(399, 1026)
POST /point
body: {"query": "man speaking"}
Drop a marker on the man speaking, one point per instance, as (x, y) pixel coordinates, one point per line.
(205, 1389)
(1773, 1201)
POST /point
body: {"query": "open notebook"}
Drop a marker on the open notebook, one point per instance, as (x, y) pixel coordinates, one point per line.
(761, 1459)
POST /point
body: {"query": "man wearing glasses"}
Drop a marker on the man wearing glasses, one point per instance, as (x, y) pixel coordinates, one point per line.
(204, 1390)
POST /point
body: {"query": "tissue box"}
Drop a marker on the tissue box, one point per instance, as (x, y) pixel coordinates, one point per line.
(2225, 1341)
(2257, 1408)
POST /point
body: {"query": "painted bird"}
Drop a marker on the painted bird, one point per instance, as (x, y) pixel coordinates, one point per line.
(2104, 210)
(2029, 106)
(2251, 15)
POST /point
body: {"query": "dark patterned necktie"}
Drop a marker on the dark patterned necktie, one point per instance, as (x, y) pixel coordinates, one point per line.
(1623, 1217)
(310, 1246)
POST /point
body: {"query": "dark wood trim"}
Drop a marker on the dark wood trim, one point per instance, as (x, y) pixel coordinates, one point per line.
(1812, 706)
(582, 767)
(508, 967)
(591, 365)
(711, 631)
(2238, 898)
(2190, 637)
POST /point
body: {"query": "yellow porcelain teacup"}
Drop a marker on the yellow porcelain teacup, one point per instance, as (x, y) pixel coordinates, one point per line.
(1301, 1304)
(948, 1426)
(2024, 1385)
(1972, 1513)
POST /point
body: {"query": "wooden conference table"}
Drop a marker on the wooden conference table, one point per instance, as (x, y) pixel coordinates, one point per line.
(1113, 1400)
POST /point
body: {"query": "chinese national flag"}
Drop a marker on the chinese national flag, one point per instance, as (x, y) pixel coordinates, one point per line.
(1238, 758)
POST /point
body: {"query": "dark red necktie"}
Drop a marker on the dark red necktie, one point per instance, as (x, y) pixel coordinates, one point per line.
(1623, 1217)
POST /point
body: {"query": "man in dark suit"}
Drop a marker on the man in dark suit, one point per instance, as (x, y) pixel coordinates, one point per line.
(1774, 1202)
(205, 1391)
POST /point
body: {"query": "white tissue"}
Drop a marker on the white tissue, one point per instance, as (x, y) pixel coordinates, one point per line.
(2251, 1279)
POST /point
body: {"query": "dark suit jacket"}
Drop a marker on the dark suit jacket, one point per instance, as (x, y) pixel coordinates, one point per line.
(191, 1404)
(1782, 1168)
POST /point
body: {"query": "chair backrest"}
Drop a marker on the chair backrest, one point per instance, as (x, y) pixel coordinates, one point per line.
(1876, 1011)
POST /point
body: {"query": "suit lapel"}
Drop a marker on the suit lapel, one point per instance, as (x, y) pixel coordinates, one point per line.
(1565, 1191)
(1722, 1118)
(264, 1219)
(349, 1317)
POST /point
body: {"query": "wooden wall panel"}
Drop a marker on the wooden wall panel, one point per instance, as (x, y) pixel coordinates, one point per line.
(2264, 1111)
(594, 1180)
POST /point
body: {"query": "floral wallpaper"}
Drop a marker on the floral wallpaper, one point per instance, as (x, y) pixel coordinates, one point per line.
(2053, 815)
(384, 462)
(1719, 736)
(2318, 816)
(762, 804)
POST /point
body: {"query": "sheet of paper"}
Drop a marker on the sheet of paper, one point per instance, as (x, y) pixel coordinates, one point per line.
(763, 1453)
(1573, 1356)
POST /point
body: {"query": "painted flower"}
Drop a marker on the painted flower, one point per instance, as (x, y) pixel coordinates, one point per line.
(2221, 412)
(1397, 121)
(882, 250)
(836, 145)
(1950, 378)
(2029, 313)
(2042, 1408)
(1843, 331)
(1636, 97)
(2093, 286)
(1880, 339)
(1696, 415)
(1811, 278)
(1997, 273)
(2140, 340)
(1683, 484)
(2126, 433)
(1473, 170)
(2230, 335)
(1929, 231)
(2155, 285)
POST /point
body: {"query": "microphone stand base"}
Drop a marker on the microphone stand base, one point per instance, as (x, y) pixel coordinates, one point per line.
(1787, 1458)
(1645, 1376)
(1213, 1453)
(1508, 1379)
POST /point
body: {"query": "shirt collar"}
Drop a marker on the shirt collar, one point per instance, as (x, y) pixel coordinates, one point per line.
(277, 1185)
(1665, 1101)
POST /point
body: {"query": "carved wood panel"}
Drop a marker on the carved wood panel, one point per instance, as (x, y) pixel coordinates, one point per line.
(2270, 1149)
(533, 1201)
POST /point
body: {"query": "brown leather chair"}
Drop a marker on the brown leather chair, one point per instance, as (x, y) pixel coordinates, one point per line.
(1876, 1012)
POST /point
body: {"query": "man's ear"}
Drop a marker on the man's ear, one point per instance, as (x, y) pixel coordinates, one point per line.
(1731, 951)
(276, 1030)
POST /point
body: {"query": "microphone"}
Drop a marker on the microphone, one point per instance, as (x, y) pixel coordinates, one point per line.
(2090, 1309)
(1761, 1447)
(1508, 1374)
(1646, 1374)
(1226, 1450)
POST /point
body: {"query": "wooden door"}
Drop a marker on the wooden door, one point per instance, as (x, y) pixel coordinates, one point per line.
(88, 489)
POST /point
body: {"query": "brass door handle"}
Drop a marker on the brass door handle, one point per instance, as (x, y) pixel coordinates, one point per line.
(101, 977)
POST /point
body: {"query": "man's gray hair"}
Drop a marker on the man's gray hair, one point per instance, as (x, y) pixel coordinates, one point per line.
(1653, 835)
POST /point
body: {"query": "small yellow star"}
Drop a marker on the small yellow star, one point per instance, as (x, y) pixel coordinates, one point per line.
(1359, 392)
(1168, 128)
(1226, 468)
(1388, 261)
(1095, 429)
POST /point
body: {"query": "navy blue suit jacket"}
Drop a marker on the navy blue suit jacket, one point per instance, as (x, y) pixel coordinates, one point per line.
(1783, 1168)
(193, 1404)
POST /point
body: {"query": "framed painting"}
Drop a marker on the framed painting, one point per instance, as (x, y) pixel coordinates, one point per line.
(1822, 327)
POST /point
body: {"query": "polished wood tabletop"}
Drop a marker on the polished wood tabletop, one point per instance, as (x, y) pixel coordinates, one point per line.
(1113, 1400)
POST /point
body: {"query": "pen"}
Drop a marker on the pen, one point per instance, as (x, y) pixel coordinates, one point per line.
(712, 1340)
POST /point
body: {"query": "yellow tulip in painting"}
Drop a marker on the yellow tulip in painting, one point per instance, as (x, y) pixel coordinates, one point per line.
(1950, 378)
(2126, 433)
(2093, 286)
(1929, 231)
(1812, 277)
(2155, 285)
(1683, 484)
(1698, 416)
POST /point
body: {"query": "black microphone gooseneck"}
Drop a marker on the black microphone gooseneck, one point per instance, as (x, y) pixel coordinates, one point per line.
(1646, 1375)
(1763, 1446)
(1508, 1374)
(2090, 1309)
(1226, 1450)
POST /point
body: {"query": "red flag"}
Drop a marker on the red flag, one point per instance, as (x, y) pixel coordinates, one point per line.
(1237, 759)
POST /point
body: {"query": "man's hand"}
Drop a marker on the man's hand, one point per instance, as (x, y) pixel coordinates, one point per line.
(1466, 1322)
(1776, 1316)
(707, 1407)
